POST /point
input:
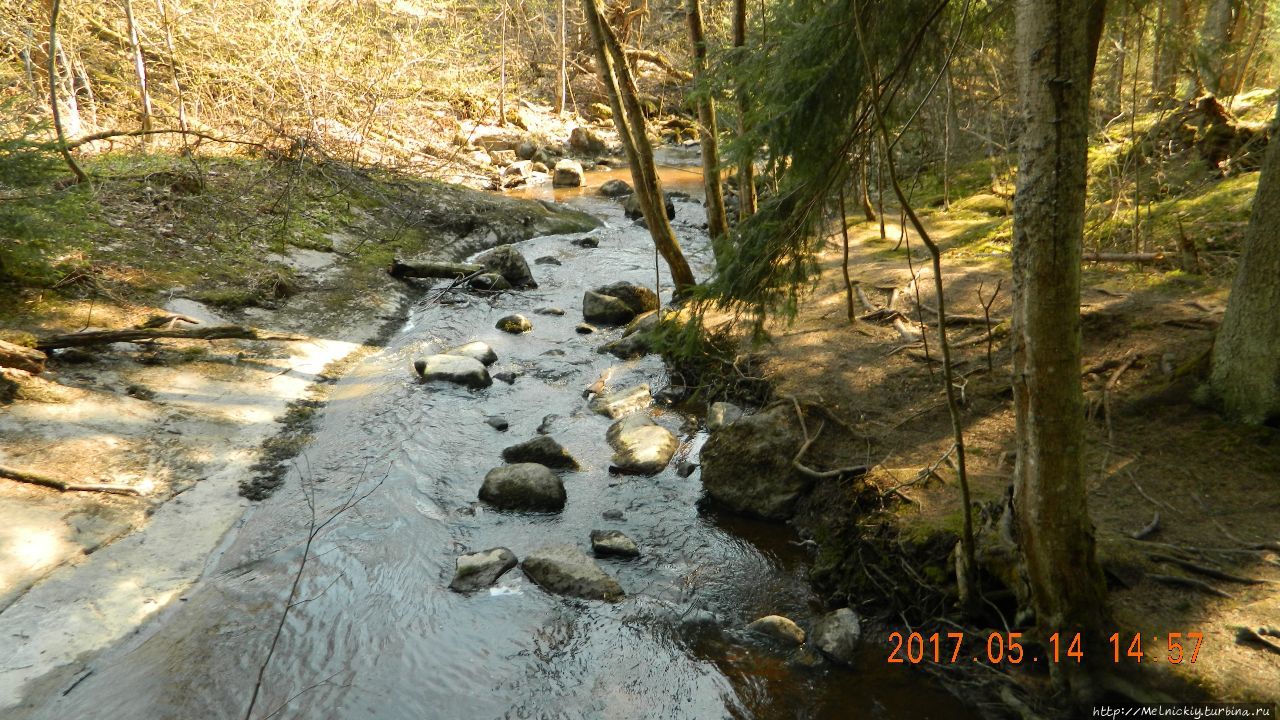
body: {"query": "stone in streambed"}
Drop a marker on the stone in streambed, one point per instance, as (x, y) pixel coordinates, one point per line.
(475, 571)
(641, 446)
(604, 309)
(615, 188)
(476, 350)
(543, 450)
(590, 241)
(549, 311)
(547, 260)
(514, 324)
(617, 403)
(506, 261)
(455, 369)
(524, 486)
(614, 543)
(838, 634)
(747, 468)
(497, 423)
(721, 414)
(778, 628)
(567, 173)
(566, 570)
(637, 297)
(584, 329)
(631, 208)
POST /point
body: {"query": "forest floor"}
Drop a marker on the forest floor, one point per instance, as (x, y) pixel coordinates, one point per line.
(1153, 452)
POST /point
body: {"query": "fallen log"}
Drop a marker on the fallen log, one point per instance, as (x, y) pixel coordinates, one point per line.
(442, 270)
(1141, 258)
(217, 332)
(35, 478)
(21, 358)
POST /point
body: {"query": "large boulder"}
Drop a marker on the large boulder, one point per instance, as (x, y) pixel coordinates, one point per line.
(778, 628)
(613, 543)
(837, 634)
(618, 403)
(475, 571)
(631, 207)
(615, 188)
(543, 450)
(747, 465)
(455, 369)
(506, 261)
(605, 309)
(641, 446)
(475, 350)
(568, 173)
(566, 570)
(523, 486)
(585, 142)
(617, 303)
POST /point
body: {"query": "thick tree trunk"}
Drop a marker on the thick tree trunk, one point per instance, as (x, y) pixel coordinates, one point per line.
(1215, 44)
(717, 222)
(1246, 356)
(628, 118)
(747, 199)
(1068, 592)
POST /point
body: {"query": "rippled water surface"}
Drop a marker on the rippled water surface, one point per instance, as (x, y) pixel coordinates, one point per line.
(376, 633)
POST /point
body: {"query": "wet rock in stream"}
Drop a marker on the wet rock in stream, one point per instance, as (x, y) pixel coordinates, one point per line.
(838, 634)
(523, 486)
(479, 570)
(617, 303)
(778, 628)
(475, 350)
(514, 324)
(549, 311)
(543, 450)
(584, 329)
(641, 446)
(721, 414)
(506, 261)
(497, 423)
(455, 369)
(547, 260)
(566, 570)
(590, 241)
(618, 403)
(605, 543)
(615, 188)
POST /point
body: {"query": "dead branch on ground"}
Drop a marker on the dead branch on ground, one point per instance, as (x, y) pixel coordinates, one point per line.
(35, 478)
(217, 332)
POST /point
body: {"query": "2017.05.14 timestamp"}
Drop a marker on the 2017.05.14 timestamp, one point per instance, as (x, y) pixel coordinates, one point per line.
(1007, 647)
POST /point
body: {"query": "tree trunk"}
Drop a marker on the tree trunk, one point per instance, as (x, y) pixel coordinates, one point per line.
(864, 192)
(1067, 589)
(1215, 44)
(1245, 374)
(54, 7)
(717, 222)
(1170, 35)
(562, 67)
(628, 118)
(747, 199)
(139, 68)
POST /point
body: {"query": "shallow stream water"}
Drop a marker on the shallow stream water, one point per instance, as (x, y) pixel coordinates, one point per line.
(375, 633)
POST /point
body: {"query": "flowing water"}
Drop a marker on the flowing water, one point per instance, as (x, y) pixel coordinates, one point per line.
(375, 633)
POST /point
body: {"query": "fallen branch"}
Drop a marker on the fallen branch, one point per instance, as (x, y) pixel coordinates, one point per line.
(35, 478)
(438, 270)
(109, 134)
(217, 332)
(851, 471)
(1251, 636)
(657, 58)
(1198, 569)
(1140, 258)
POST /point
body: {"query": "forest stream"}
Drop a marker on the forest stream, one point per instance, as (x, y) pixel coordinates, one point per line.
(374, 630)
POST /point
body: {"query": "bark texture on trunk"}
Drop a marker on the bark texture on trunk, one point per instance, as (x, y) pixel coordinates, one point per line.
(1245, 374)
(628, 118)
(1170, 35)
(708, 132)
(1215, 44)
(1068, 592)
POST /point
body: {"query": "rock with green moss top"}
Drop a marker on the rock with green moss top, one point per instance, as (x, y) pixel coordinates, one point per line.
(514, 324)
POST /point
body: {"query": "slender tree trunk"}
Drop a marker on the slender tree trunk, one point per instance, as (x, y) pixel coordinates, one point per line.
(28, 66)
(864, 192)
(747, 199)
(1068, 592)
(628, 117)
(502, 73)
(1170, 36)
(139, 68)
(717, 222)
(81, 177)
(562, 67)
(1245, 374)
